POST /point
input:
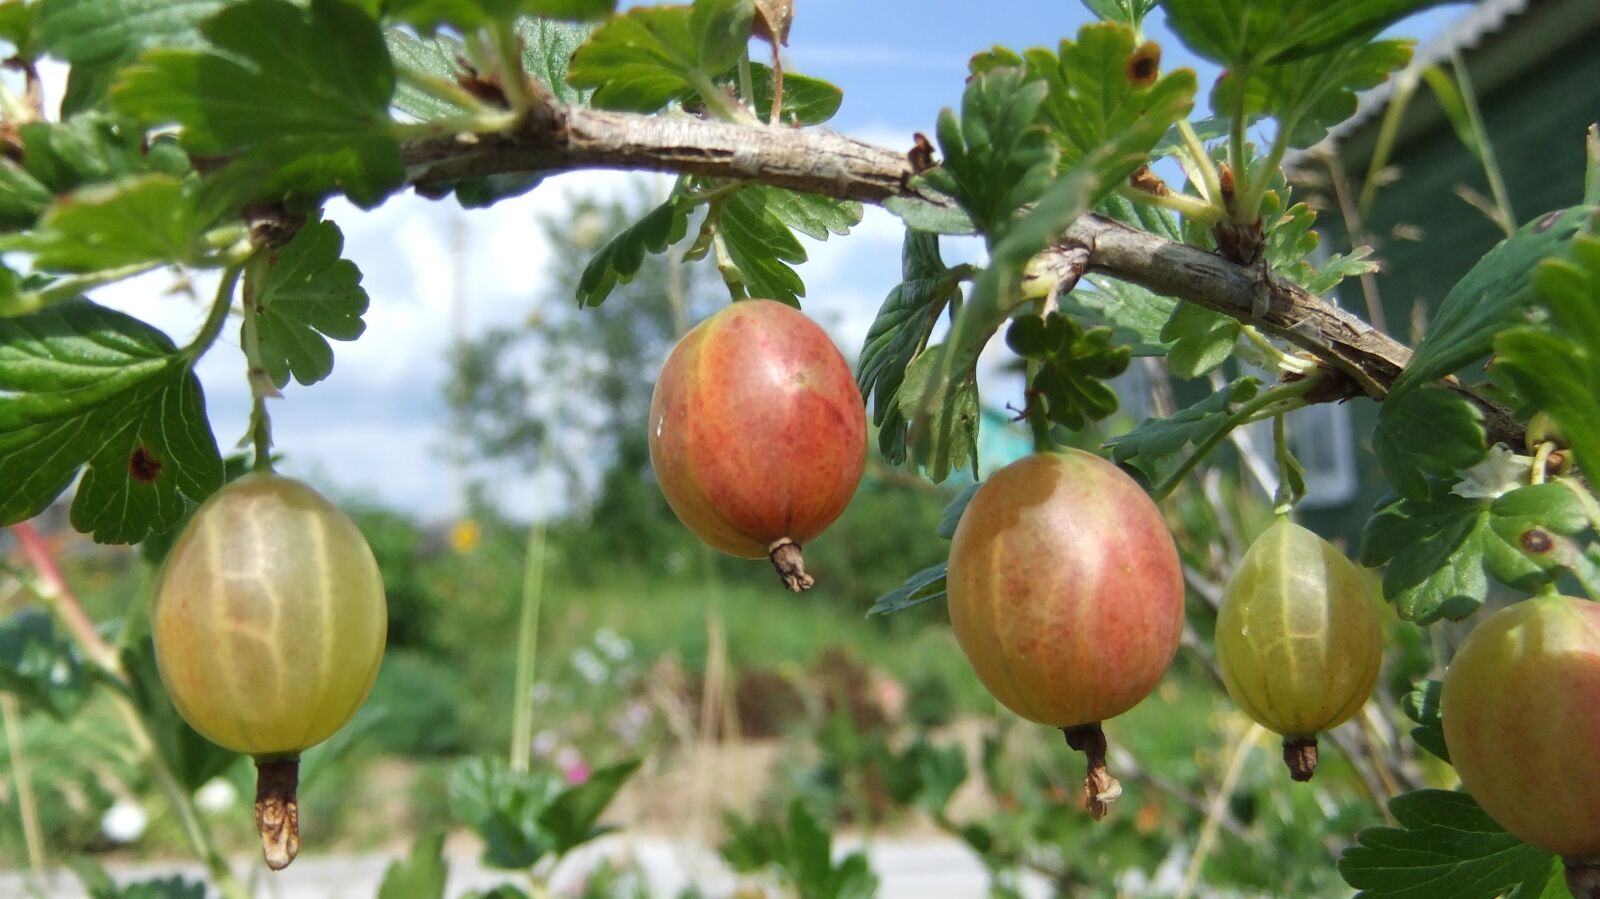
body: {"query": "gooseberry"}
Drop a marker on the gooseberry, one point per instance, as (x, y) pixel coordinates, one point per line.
(1520, 723)
(1298, 639)
(758, 434)
(269, 622)
(1066, 595)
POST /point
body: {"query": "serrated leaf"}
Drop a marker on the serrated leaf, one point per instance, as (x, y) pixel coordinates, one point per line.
(932, 211)
(1445, 846)
(310, 296)
(1422, 706)
(926, 585)
(812, 215)
(547, 49)
(462, 15)
(1135, 315)
(902, 326)
(1432, 431)
(1102, 99)
(1441, 551)
(621, 258)
(1157, 438)
(944, 436)
(1569, 390)
(22, 196)
(648, 57)
(83, 385)
(996, 158)
(503, 806)
(420, 875)
(435, 56)
(1074, 367)
(806, 100)
(90, 148)
(144, 220)
(173, 887)
(1154, 219)
(570, 818)
(39, 666)
(1128, 12)
(1244, 33)
(1308, 96)
(1493, 295)
(1199, 339)
(100, 36)
(305, 97)
(762, 246)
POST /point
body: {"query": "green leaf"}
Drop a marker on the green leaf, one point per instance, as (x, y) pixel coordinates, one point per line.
(902, 326)
(1440, 551)
(1155, 439)
(304, 97)
(810, 851)
(1101, 96)
(951, 517)
(932, 211)
(310, 295)
(547, 49)
(812, 215)
(1128, 12)
(621, 258)
(39, 666)
(463, 15)
(1567, 390)
(924, 586)
(761, 245)
(22, 196)
(434, 56)
(1422, 706)
(1292, 241)
(1200, 340)
(648, 57)
(173, 887)
(422, 874)
(569, 10)
(1495, 294)
(1310, 95)
(504, 807)
(83, 385)
(17, 28)
(144, 220)
(750, 846)
(90, 148)
(806, 100)
(1076, 364)
(98, 37)
(1433, 431)
(1246, 33)
(1445, 846)
(1135, 316)
(570, 817)
(996, 158)
(944, 412)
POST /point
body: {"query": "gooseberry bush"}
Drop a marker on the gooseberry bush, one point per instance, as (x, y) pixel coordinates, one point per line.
(207, 136)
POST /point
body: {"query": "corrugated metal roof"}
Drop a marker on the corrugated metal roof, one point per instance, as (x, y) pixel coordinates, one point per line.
(1484, 18)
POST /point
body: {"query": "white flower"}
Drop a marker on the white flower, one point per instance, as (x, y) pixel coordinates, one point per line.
(589, 665)
(216, 796)
(1500, 472)
(124, 822)
(613, 644)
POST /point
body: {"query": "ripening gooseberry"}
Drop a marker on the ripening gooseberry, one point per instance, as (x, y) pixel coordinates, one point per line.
(1298, 639)
(269, 622)
(1066, 595)
(758, 434)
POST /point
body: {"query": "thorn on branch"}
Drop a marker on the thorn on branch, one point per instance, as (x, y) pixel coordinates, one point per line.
(1149, 182)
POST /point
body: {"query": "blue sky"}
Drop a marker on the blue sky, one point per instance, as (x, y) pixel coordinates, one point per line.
(378, 427)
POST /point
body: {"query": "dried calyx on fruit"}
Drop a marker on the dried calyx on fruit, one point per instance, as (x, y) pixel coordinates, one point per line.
(1066, 595)
(269, 623)
(1298, 639)
(758, 434)
(1520, 725)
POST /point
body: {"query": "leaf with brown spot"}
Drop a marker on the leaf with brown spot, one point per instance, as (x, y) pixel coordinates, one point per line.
(85, 388)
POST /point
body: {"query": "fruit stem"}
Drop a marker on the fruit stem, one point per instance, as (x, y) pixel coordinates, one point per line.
(1300, 754)
(785, 555)
(1583, 877)
(277, 809)
(1288, 393)
(1100, 789)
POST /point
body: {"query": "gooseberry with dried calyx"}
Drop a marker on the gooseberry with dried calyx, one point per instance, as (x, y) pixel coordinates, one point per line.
(1066, 595)
(758, 434)
(269, 622)
(1298, 638)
